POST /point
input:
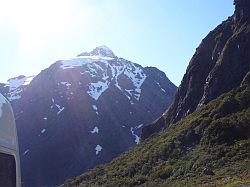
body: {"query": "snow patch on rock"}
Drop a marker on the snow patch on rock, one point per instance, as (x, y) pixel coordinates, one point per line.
(136, 75)
(96, 89)
(43, 131)
(95, 130)
(15, 86)
(60, 108)
(26, 152)
(82, 60)
(95, 109)
(98, 149)
(15, 83)
(137, 138)
(65, 83)
(139, 126)
(160, 86)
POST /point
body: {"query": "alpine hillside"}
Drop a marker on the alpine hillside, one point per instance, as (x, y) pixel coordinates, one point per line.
(219, 64)
(203, 139)
(82, 112)
(209, 147)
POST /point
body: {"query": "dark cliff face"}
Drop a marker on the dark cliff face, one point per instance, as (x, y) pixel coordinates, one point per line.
(219, 64)
(242, 10)
(82, 112)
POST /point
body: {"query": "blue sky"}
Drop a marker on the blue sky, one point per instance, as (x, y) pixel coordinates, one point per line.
(160, 33)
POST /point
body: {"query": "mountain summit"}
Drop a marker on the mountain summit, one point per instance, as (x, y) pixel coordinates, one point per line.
(101, 51)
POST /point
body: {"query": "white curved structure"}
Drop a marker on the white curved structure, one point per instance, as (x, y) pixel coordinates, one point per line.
(10, 175)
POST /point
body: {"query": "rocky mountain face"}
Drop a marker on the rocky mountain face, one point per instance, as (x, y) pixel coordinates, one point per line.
(209, 147)
(219, 64)
(205, 139)
(82, 112)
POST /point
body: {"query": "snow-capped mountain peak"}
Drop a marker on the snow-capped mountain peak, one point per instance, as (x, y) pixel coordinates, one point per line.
(101, 51)
(90, 107)
(104, 72)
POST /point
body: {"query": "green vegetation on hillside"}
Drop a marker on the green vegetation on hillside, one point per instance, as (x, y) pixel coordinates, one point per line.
(209, 147)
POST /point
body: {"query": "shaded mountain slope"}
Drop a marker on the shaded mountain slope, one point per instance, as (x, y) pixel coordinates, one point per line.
(209, 147)
(218, 65)
(82, 112)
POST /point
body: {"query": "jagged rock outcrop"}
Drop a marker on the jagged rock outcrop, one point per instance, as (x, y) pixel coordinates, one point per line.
(219, 64)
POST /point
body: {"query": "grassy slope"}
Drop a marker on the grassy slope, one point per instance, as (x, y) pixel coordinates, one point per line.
(209, 147)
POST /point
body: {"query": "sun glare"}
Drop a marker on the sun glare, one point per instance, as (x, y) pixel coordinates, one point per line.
(39, 22)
